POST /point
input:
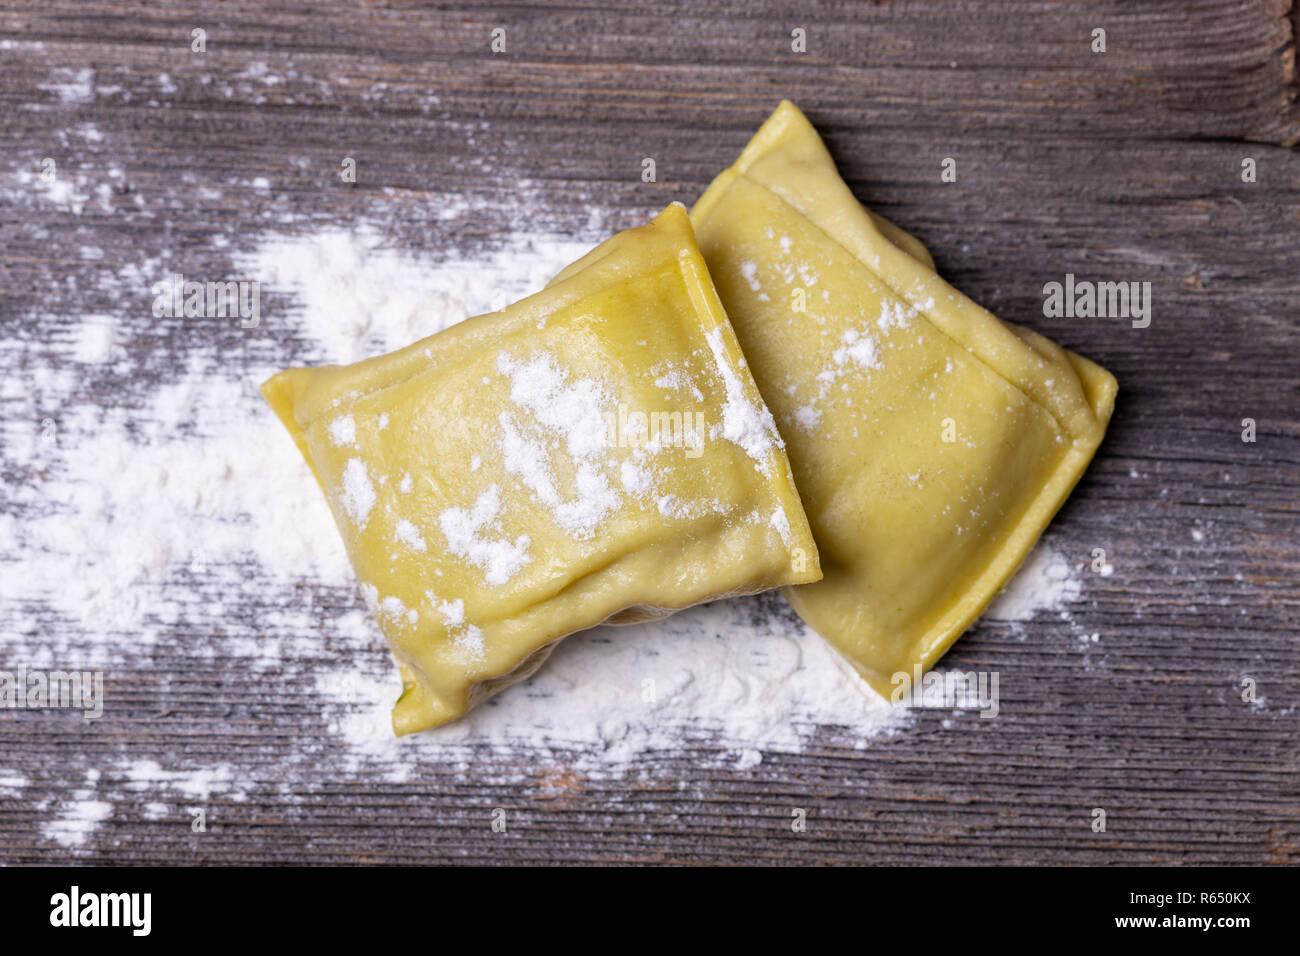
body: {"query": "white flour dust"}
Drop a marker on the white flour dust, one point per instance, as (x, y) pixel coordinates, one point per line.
(1045, 582)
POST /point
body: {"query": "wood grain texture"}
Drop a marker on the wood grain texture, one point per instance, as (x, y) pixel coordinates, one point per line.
(1122, 166)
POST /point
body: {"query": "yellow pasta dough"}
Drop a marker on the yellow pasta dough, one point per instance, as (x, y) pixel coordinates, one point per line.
(931, 442)
(595, 452)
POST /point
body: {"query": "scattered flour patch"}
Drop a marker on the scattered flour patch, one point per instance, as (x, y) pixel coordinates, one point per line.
(358, 494)
(392, 609)
(409, 535)
(453, 612)
(66, 190)
(893, 315)
(781, 522)
(94, 342)
(635, 479)
(198, 784)
(644, 689)
(744, 422)
(12, 783)
(556, 408)
(343, 430)
(1045, 583)
(500, 559)
(858, 349)
(358, 297)
(470, 642)
(103, 557)
(80, 815)
(808, 416)
(71, 86)
(358, 711)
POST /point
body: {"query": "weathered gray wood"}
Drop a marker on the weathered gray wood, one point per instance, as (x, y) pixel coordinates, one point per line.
(1124, 165)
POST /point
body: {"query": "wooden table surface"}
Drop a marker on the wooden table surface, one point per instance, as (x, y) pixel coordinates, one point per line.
(1124, 165)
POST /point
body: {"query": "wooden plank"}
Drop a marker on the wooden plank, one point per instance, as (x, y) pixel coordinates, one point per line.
(1121, 166)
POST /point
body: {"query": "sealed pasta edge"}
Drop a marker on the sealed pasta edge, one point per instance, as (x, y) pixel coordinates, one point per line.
(663, 222)
(1035, 520)
(1100, 386)
(419, 707)
(704, 295)
(285, 392)
(929, 648)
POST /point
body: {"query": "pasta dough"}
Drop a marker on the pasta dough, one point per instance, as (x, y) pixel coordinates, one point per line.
(595, 452)
(931, 442)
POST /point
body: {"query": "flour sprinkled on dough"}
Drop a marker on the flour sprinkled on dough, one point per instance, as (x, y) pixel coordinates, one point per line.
(558, 410)
(358, 492)
(744, 422)
(858, 349)
(409, 535)
(343, 430)
(500, 559)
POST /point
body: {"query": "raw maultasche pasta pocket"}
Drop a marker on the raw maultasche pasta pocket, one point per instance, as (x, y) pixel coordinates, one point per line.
(931, 442)
(597, 452)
